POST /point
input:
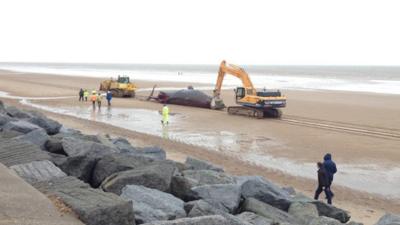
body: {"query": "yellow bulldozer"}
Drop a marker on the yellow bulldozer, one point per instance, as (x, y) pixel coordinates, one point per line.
(122, 87)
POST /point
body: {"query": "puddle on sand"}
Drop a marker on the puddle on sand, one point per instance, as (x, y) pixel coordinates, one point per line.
(149, 122)
(370, 178)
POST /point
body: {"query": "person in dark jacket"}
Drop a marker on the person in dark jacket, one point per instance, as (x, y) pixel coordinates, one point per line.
(323, 183)
(81, 95)
(330, 168)
(109, 97)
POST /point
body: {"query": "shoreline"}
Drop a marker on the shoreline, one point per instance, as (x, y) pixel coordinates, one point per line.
(203, 84)
(362, 202)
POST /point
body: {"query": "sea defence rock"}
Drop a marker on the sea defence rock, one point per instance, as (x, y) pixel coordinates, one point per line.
(322, 220)
(123, 145)
(5, 119)
(20, 126)
(151, 205)
(114, 163)
(38, 137)
(77, 147)
(14, 152)
(188, 97)
(157, 176)
(154, 152)
(53, 185)
(268, 211)
(57, 159)
(332, 211)
(51, 126)
(82, 157)
(203, 220)
(203, 177)
(225, 196)
(6, 134)
(17, 113)
(38, 171)
(198, 164)
(389, 219)
(54, 145)
(303, 210)
(93, 206)
(202, 208)
(2, 108)
(254, 219)
(181, 185)
(265, 191)
(82, 166)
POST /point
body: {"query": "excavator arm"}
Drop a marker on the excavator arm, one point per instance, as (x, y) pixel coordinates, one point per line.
(224, 68)
(237, 72)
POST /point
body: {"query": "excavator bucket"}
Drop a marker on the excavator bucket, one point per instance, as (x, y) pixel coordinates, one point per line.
(217, 104)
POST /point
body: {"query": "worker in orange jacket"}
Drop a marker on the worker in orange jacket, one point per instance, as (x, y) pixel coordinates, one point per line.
(93, 99)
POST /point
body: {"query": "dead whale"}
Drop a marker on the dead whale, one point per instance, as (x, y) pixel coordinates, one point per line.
(188, 97)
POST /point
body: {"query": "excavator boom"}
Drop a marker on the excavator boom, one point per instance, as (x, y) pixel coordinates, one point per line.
(252, 103)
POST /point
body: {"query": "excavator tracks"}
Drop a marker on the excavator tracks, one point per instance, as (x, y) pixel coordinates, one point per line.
(255, 113)
(362, 130)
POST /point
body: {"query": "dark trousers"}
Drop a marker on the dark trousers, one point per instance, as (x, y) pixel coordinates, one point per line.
(99, 104)
(327, 191)
(81, 98)
(109, 102)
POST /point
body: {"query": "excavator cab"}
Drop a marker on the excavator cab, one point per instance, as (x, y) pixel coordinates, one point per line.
(240, 92)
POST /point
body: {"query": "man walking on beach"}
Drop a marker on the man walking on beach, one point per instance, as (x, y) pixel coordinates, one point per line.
(165, 115)
(99, 99)
(330, 168)
(93, 98)
(109, 97)
(86, 94)
(81, 95)
(323, 183)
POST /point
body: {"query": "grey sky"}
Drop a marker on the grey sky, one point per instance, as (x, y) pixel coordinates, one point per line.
(244, 32)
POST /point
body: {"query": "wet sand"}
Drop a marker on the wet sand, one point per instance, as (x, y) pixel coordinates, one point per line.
(297, 143)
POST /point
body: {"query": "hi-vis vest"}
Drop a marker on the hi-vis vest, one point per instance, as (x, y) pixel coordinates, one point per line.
(93, 98)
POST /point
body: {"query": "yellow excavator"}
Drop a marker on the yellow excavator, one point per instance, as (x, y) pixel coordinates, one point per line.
(122, 87)
(253, 103)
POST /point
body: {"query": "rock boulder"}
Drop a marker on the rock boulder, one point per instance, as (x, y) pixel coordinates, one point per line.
(114, 163)
(198, 164)
(157, 175)
(203, 220)
(265, 191)
(389, 219)
(151, 205)
(268, 211)
(51, 126)
(38, 171)
(222, 195)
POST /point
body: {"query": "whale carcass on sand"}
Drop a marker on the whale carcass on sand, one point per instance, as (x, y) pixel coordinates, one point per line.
(188, 97)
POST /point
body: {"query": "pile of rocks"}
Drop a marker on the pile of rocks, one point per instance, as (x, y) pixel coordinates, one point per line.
(108, 181)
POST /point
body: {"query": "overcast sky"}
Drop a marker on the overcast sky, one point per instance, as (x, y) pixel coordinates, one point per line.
(201, 32)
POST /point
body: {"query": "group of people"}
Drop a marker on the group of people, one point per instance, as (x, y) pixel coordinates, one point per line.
(95, 97)
(326, 170)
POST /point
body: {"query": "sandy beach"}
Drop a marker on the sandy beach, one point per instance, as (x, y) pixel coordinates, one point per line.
(359, 129)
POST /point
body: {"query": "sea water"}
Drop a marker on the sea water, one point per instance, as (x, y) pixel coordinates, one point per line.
(370, 79)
